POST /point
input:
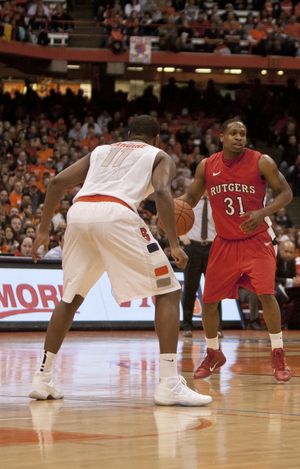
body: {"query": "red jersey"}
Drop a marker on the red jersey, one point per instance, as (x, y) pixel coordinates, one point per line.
(234, 190)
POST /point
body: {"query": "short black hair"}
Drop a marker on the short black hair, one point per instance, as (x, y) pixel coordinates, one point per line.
(230, 121)
(144, 126)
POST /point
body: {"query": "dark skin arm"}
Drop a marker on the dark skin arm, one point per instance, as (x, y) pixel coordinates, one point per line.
(71, 176)
(163, 173)
(268, 169)
(197, 188)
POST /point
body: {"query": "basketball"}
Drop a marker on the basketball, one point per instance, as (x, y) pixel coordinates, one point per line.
(184, 217)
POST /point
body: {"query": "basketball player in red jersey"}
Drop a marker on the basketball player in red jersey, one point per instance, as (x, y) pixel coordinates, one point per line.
(105, 233)
(242, 252)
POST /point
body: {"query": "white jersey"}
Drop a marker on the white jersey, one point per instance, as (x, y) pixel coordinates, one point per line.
(122, 170)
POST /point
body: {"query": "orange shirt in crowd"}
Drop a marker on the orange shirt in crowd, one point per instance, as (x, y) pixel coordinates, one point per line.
(292, 30)
(257, 35)
(91, 144)
(37, 171)
(45, 154)
(287, 7)
(15, 199)
(6, 208)
(31, 150)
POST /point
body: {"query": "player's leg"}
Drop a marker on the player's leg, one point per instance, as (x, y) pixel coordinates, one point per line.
(271, 312)
(82, 267)
(167, 312)
(272, 319)
(44, 385)
(261, 261)
(60, 323)
(172, 388)
(138, 268)
(214, 357)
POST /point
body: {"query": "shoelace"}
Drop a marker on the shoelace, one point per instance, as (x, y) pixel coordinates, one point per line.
(280, 361)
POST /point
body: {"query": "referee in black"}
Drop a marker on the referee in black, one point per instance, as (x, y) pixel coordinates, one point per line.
(197, 242)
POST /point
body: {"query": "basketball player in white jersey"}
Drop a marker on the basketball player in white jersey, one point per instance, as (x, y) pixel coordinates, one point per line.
(105, 233)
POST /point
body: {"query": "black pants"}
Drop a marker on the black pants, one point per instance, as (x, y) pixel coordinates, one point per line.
(196, 266)
(294, 320)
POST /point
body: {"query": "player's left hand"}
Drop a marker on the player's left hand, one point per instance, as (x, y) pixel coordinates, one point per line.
(253, 222)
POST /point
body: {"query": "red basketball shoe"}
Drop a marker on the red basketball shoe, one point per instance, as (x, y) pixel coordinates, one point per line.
(281, 370)
(213, 359)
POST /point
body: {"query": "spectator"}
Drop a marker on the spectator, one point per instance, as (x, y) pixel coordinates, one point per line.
(45, 151)
(289, 155)
(230, 18)
(289, 280)
(91, 141)
(232, 37)
(56, 252)
(228, 9)
(183, 135)
(61, 21)
(30, 230)
(4, 201)
(287, 7)
(185, 32)
(90, 120)
(62, 213)
(10, 243)
(38, 26)
(250, 24)
(19, 25)
(282, 219)
(212, 37)
(36, 196)
(16, 195)
(6, 28)
(25, 247)
(103, 119)
(76, 131)
(255, 38)
(32, 10)
(16, 224)
(247, 296)
(169, 36)
(200, 25)
(133, 5)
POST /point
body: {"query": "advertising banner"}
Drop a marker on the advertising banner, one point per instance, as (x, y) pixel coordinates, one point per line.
(30, 294)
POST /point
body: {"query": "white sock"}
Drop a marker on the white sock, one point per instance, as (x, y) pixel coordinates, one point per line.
(276, 340)
(47, 361)
(212, 343)
(168, 365)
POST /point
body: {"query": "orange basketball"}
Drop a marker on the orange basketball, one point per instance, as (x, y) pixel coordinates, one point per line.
(184, 216)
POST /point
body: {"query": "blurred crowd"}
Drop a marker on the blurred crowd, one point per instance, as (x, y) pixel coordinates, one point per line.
(254, 27)
(191, 25)
(39, 137)
(26, 21)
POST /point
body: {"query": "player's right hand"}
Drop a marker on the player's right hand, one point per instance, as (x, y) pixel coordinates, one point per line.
(41, 239)
(179, 257)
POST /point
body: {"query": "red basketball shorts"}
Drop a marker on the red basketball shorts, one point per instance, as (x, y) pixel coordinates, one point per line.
(250, 263)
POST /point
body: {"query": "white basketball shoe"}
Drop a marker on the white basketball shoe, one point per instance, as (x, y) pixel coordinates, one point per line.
(174, 391)
(45, 386)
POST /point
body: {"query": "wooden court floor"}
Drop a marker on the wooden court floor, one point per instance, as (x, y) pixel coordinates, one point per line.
(108, 419)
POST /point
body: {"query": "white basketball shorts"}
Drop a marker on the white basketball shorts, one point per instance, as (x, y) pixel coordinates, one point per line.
(106, 236)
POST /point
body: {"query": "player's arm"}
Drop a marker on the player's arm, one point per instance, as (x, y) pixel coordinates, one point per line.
(69, 177)
(269, 171)
(198, 186)
(163, 173)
